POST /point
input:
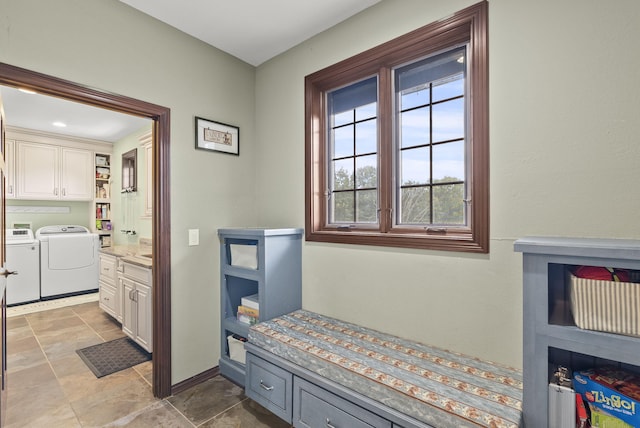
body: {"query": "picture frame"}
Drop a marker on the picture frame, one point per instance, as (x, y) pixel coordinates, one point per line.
(217, 136)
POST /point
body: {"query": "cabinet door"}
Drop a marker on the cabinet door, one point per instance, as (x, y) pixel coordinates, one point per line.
(76, 175)
(108, 299)
(37, 171)
(129, 310)
(121, 295)
(9, 170)
(144, 334)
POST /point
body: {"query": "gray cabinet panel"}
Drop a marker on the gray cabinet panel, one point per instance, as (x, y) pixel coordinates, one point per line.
(270, 386)
(274, 273)
(315, 407)
(550, 337)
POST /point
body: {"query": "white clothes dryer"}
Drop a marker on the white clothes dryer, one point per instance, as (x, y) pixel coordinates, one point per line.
(23, 257)
(68, 260)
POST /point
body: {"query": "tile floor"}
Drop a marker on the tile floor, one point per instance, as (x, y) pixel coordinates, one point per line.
(49, 385)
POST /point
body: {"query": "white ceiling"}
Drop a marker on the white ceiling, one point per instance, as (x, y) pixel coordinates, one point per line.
(39, 112)
(252, 30)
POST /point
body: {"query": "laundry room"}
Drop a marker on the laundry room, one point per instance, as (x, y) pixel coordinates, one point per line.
(73, 193)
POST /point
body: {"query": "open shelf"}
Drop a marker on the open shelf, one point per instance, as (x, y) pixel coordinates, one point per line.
(550, 335)
(266, 262)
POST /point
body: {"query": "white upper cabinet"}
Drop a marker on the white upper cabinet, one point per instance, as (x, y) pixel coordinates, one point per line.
(48, 172)
(38, 171)
(9, 169)
(76, 174)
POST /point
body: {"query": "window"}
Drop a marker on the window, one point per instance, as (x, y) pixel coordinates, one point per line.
(397, 141)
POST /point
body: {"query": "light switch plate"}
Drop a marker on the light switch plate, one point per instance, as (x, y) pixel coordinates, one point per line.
(194, 237)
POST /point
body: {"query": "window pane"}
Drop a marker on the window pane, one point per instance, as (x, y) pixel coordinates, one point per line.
(367, 111)
(343, 142)
(343, 210)
(367, 206)
(448, 162)
(433, 70)
(352, 97)
(414, 98)
(449, 89)
(366, 137)
(415, 166)
(343, 174)
(448, 204)
(415, 205)
(366, 172)
(343, 118)
(414, 127)
(448, 120)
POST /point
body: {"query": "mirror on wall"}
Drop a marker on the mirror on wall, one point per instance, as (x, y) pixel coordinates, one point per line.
(129, 161)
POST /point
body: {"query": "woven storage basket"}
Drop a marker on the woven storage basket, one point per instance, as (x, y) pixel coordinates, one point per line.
(608, 306)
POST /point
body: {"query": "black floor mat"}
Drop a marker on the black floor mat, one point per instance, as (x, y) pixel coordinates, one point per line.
(113, 356)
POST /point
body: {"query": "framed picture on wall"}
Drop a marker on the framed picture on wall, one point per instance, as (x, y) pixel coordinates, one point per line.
(217, 136)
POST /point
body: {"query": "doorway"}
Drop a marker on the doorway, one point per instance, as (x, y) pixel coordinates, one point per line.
(161, 237)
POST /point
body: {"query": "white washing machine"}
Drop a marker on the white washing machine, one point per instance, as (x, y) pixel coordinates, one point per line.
(23, 257)
(68, 260)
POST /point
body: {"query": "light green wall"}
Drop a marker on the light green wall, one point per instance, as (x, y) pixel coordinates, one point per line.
(564, 107)
(564, 104)
(108, 45)
(124, 215)
(79, 213)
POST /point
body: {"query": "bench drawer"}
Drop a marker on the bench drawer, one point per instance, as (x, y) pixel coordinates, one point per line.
(315, 407)
(269, 385)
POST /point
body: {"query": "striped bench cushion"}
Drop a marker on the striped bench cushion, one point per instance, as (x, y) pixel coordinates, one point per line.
(438, 387)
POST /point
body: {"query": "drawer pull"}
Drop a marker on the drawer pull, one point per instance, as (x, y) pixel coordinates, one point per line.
(265, 387)
(329, 424)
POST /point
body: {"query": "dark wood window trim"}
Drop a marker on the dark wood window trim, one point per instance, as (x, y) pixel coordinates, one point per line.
(48, 85)
(468, 26)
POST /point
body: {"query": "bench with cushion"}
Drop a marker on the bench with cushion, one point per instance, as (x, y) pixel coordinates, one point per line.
(312, 370)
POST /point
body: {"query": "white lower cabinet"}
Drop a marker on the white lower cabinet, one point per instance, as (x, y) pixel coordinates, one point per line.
(134, 283)
(110, 300)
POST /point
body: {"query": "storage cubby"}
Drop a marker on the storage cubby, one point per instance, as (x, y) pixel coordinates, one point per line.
(550, 335)
(102, 199)
(266, 262)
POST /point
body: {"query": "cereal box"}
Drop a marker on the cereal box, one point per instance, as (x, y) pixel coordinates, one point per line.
(613, 396)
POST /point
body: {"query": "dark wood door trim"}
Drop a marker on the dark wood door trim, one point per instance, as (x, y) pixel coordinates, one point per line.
(48, 85)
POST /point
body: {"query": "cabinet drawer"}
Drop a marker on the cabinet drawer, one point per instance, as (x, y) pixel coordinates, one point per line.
(108, 269)
(137, 273)
(108, 300)
(269, 385)
(316, 407)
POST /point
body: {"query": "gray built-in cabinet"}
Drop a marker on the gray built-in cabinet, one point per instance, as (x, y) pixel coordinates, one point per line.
(266, 262)
(550, 337)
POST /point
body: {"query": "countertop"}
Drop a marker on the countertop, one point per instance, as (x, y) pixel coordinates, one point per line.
(134, 254)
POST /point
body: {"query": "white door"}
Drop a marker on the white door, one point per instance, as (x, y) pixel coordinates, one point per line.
(3, 279)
